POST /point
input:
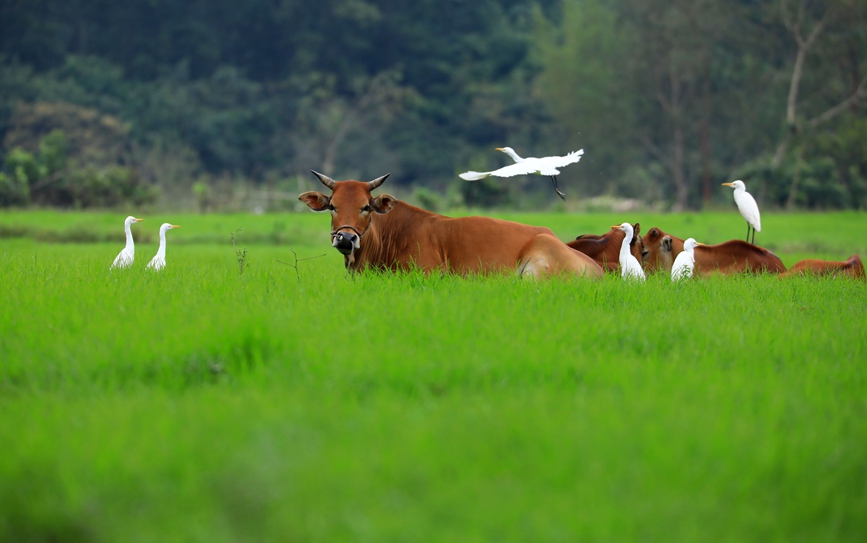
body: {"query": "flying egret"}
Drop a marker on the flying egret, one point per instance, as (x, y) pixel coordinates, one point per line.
(748, 207)
(159, 261)
(630, 268)
(127, 255)
(685, 261)
(542, 166)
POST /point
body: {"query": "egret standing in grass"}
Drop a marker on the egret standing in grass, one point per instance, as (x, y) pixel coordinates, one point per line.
(684, 264)
(127, 255)
(748, 207)
(542, 166)
(630, 268)
(159, 261)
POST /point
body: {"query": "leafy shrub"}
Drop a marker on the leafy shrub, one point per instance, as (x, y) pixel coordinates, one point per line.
(49, 178)
(14, 190)
(108, 187)
(427, 199)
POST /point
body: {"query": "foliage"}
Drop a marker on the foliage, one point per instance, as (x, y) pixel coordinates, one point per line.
(668, 99)
(50, 178)
(486, 192)
(14, 190)
(581, 79)
(428, 199)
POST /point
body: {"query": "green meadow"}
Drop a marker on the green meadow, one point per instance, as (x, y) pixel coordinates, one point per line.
(288, 401)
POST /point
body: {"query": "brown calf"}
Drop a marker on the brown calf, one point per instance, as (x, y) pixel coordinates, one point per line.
(853, 267)
(735, 256)
(605, 249)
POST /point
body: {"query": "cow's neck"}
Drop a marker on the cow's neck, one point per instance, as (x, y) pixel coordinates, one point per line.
(387, 238)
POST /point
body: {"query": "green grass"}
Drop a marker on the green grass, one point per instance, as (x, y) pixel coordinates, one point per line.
(200, 405)
(793, 236)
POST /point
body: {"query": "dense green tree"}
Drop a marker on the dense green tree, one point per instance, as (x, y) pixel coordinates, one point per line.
(586, 84)
(666, 98)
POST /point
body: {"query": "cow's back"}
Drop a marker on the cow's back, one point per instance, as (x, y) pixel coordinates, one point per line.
(736, 256)
(483, 244)
(605, 250)
(409, 237)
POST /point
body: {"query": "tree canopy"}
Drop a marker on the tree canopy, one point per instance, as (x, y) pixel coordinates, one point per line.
(668, 98)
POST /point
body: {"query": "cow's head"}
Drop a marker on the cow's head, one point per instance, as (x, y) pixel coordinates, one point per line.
(352, 205)
(659, 250)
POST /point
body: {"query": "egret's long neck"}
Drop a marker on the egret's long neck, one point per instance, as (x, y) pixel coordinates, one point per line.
(624, 247)
(514, 155)
(161, 252)
(130, 244)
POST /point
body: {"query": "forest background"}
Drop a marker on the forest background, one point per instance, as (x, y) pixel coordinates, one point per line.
(227, 105)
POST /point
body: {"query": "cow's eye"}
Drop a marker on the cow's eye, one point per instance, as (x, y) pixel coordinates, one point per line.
(331, 207)
(365, 209)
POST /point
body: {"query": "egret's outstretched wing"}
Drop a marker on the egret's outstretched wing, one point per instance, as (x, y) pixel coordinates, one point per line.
(526, 167)
(474, 176)
(542, 166)
(560, 161)
(521, 168)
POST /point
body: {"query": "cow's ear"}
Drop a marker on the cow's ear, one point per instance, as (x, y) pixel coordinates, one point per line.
(315, 200)
(383, 203)
(636, 228)
(666, 243)
(653, 233)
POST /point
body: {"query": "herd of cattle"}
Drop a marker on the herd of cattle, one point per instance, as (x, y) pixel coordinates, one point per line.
(381, 232)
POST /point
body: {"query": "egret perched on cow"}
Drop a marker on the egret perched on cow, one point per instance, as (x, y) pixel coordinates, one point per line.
(127, 255)
(158, 262)
(685, 261)
(748, 207)
(531, 165)
(630, 268)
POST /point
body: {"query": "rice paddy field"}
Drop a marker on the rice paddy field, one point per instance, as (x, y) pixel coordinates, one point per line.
(284, 400)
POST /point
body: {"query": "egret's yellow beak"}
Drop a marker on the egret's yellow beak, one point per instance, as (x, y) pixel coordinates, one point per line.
(175, 226)
(727, 184)
(700, 244)
(138, 220)
(498, 149)
(616, 226)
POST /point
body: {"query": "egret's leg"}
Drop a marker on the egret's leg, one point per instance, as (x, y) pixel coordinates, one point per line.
(754, 236)
(748, 232)
(560, 194)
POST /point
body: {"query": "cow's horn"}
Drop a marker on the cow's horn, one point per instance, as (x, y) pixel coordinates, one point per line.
(327, 181)
(378, 181)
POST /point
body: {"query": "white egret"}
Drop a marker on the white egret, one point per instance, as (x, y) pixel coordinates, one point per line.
(542, 166)
(748, 207)
(159, 261)
(127, 255)
(684, 264)
(630, 268)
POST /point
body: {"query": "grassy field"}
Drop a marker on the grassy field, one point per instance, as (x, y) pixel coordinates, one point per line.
(284, 404)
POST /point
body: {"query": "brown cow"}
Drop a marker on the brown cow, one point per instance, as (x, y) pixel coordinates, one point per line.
(383, 233)
(605, 249)
(853, 267)
(735, 256)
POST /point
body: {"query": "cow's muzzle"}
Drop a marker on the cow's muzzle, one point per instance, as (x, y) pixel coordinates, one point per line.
(345, 242)
(346, 239)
